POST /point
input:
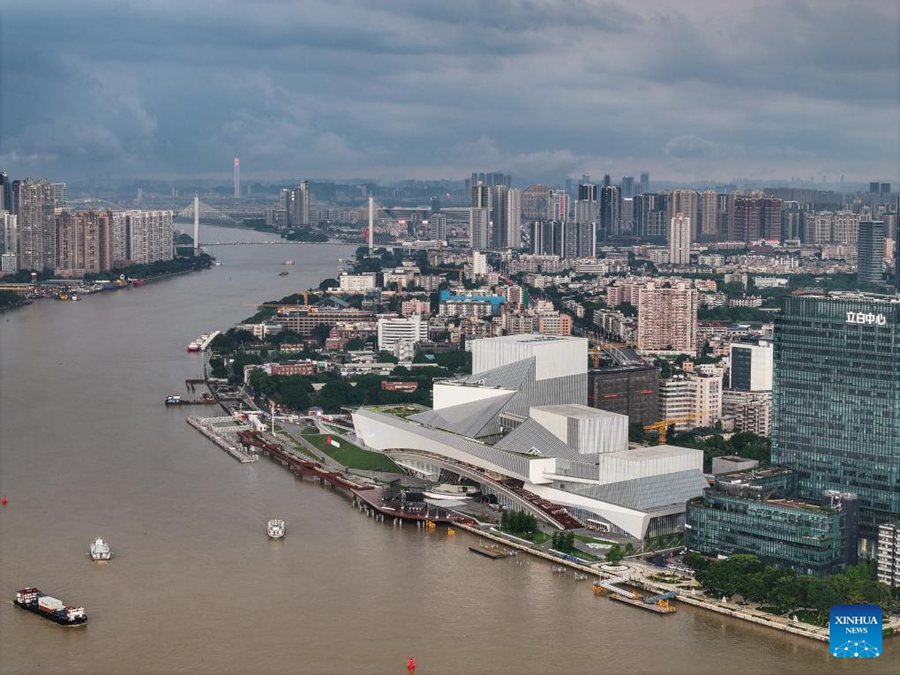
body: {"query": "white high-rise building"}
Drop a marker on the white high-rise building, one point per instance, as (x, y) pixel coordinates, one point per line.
(680, 240)
(514, 218)
(237, 177)
(479, 264)
(391, 331)
(9, 233)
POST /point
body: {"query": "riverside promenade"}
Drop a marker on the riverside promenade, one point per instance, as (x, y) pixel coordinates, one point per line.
(638, 575)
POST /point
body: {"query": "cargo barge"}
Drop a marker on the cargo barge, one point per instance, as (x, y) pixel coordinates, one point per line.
(38, 602)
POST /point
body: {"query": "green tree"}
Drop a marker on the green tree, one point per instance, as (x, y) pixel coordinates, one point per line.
(614, 555)
(328, 283)
(321, 332)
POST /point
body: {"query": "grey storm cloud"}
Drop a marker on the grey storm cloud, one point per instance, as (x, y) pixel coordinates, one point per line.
(409, 88)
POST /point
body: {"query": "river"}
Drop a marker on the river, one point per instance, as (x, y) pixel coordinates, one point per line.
(87, 449)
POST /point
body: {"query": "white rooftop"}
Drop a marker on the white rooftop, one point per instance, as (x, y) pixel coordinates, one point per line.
(653, 452)
(576, 410)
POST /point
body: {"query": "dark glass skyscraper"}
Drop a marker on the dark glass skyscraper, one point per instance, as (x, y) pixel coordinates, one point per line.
(870, 252)
(836, 400)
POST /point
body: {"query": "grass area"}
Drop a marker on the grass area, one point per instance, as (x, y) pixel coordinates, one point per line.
(665, 578)
(808, 616)
(351, 456)
(309, 431)
(536, 537)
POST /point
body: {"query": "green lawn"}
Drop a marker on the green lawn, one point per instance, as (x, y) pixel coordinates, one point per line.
(351, 456)
(536, 537)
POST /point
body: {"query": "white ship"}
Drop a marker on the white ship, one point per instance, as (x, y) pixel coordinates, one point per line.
(275, 529)
(100, 550)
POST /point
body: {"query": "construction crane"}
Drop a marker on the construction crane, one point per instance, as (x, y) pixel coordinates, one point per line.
(662, 426)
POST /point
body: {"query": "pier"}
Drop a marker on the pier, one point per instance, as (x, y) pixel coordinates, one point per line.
(213, 428)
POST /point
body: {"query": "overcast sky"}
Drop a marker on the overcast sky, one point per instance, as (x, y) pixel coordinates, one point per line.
(541, 89)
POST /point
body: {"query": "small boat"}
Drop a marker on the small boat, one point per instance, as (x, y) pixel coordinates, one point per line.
(288, 262)
(282, 274)
(558, 569)
(100, 550)
(275, 528)
(580, 577)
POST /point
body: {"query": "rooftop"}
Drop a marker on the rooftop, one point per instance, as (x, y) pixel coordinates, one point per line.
(530, 338)
(578, 411)
(651, 452)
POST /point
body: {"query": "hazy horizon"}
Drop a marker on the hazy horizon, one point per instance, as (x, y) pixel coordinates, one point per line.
(690, 91)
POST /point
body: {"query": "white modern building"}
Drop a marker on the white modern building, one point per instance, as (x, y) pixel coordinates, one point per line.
(752, 366)
(391, 331)
(519, 427)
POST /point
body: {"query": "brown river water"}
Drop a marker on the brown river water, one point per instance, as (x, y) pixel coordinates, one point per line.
(87, 449)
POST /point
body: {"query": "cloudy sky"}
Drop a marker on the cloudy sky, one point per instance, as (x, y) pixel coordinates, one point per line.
(543, 89)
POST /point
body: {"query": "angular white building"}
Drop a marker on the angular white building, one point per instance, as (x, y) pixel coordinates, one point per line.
(519, 427)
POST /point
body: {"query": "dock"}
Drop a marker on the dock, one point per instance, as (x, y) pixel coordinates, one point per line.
(658, 608)
(213, 429)
(493, 555)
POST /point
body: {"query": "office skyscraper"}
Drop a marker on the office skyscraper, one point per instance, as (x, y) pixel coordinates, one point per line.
(870, 252)
(499, 211)
(6, 201)
(836, 401)
(33, 202)
(627, 187)
(645, 182)
(680, 240)
(610, 210)
(650, 216)
(586, 205)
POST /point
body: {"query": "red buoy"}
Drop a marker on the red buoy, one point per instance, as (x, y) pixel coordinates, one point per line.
(411, 663)
(4, 501)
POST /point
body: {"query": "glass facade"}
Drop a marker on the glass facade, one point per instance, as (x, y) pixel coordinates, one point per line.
(836, 400)
(802, 537)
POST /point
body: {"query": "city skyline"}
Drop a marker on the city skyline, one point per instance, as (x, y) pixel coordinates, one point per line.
(688, 91)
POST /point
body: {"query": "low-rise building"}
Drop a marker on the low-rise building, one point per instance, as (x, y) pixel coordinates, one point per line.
(889, 554)
(753, 512)
(751, 410)
(293, 368)
(357, 283)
